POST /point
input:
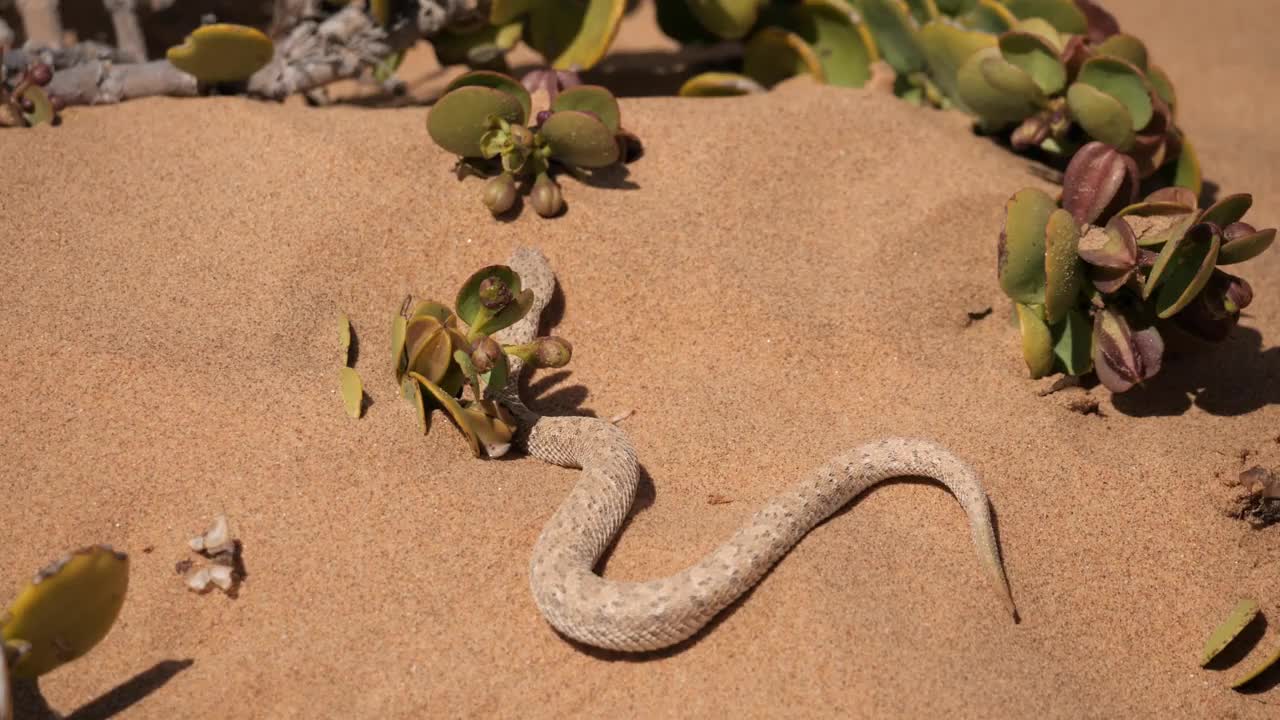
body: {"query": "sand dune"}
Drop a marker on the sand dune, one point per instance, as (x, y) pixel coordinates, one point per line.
(783, 277)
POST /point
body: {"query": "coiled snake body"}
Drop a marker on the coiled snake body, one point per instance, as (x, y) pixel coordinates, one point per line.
(638, 616)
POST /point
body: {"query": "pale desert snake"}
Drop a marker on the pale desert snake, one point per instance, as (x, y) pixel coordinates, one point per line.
(639, 616)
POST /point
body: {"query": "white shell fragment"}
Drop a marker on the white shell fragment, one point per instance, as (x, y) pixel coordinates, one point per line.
(220, 548)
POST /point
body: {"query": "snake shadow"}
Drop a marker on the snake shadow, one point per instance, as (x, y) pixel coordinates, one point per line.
(645, 495)
(29, 701)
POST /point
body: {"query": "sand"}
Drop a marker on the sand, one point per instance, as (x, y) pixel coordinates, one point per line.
(783, 277)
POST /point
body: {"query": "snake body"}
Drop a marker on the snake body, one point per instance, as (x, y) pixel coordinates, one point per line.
(640, 616)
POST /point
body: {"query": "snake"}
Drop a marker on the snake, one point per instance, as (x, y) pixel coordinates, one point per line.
(634, 616)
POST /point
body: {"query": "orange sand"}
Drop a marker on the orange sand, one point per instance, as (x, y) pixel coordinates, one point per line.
(786, 277)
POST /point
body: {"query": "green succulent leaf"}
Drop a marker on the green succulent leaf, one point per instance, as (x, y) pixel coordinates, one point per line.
(496, 378)
(352, 391)
(222, 53)
(399, 326)
(431, 308)
(719, 84)
(1163, 86)
(1042, 29)
(579, 139)
(1122, 81)
(453, 408)
(986, 16)
(574, 35)
(1127, 48)
(922, 11)
(895, 35)
(344, 336)
(998, 93)
(1187, 173)
(502, 12)
(1183, 269)
(1036, 57)
(1064, 270)
(429, 354)
(468, 303)
(1021, 252)
(1073, 343)
(729, 19)
(1102, 116)
(677, 21)
(1062, 14)
(483, 46)
(461, 118)
(844, 47)
(1239, 618)
(1260, 668)
(411, 391)
(67, 610)
(593, 99)
(463, 361)
(41, 108)
(773, 55)
(1037, 341)
(496, 81)
(1228, 210)
(946, 48)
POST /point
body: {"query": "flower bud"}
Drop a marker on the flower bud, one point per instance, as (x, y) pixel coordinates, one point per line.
(40, 74)
(521, 136)
(553, 352)
(494, 293)
(485, 353)
(543, 115)
(57, 103)
(546, 198)
(500, 193)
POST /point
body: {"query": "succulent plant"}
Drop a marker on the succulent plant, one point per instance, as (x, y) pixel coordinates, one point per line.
(1059, 81)
(1229, 629)
(222, 53)
(822, 38)
(481, 118)
(67, 609)
(571, 36)
(24, 100)
(1139, 271)
(437, 353)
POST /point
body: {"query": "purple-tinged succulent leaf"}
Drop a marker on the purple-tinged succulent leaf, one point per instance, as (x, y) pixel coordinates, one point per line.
(1164, 225)
(1121, 357)
(1074, 53)
(1101, 24)
(1214, 312)
(1126, 47)
(1033, 131)
(1163, 86)
(1241, 242)
(1110, 280)
(1098, 179)
(1174, 194)
(1114, 247)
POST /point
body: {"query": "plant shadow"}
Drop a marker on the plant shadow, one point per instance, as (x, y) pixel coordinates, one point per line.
(1233, 378)
(29, 702)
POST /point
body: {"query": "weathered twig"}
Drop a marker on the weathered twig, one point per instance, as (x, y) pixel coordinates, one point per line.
(315, 52)
(124, 20)
(41, 23)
